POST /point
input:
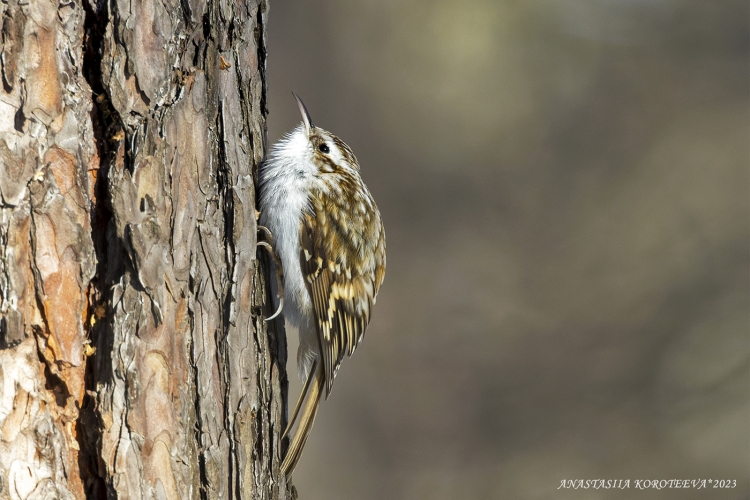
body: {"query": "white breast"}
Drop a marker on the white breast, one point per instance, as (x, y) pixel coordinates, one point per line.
(285, 177)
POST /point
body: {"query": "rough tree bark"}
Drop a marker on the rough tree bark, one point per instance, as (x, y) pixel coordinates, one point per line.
(134, 361)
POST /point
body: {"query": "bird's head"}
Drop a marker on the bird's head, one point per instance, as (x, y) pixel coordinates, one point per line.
(316, 151)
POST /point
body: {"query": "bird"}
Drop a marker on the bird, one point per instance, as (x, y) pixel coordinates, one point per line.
(329, 238)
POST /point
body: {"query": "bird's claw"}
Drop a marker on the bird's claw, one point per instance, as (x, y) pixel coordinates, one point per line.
(269, 234)
(279, 270)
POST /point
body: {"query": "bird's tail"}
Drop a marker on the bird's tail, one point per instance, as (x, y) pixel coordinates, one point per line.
(314, 386)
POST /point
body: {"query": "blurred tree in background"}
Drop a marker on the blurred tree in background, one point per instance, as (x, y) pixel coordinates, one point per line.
(564, 185)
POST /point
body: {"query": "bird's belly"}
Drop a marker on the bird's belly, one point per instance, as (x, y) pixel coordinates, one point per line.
(281, 213)
(284, 225)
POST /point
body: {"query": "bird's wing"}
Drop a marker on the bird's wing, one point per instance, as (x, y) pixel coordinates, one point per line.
(342, 256)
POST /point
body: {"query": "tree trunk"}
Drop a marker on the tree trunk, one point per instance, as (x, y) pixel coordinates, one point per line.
(134, 359)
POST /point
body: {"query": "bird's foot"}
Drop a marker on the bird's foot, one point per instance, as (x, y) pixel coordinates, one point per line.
(269, 245)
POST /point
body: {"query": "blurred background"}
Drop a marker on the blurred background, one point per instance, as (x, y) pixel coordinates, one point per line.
(564, 185)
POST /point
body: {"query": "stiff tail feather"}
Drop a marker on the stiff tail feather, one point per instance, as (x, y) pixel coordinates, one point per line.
(314, 389)
(305, 388)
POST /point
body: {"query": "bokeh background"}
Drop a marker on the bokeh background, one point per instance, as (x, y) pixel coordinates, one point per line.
(564, 185)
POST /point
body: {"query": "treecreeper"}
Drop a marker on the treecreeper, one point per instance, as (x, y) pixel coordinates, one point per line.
(329, 239)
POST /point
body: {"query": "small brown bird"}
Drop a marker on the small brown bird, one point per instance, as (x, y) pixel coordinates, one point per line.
(330, 239)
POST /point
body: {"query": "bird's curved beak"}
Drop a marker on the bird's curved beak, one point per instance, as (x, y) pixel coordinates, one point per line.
(309, 127)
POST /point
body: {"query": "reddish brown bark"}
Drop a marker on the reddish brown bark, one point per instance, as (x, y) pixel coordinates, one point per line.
(134, 361)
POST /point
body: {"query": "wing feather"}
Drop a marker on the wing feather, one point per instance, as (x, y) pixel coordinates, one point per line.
(343, 271)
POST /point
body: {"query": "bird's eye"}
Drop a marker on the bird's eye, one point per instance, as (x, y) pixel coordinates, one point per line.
(323, 148)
